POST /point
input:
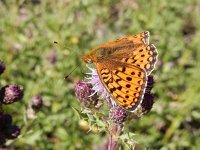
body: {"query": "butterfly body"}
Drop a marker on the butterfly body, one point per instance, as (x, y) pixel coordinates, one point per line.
(123, 66)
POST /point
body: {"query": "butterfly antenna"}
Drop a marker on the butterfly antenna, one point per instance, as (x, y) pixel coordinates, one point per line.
(62, 45)
(83, 72)
(71, 72)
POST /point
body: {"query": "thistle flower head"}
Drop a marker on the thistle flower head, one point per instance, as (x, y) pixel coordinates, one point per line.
(118, 115)
(83, 90)
(84, 93)
(7, 130)
(10, 94)
(36, 102)
(147, 102)
(98, 87)
(150, 83)
(13, 132)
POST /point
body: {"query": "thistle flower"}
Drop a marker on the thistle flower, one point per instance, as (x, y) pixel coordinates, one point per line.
(150, 83)
(10, 94)
(147, 102)
(7, 130)
(36, 102)
(85, 94)
(98, 87)
(2, 67)
(118, 115)
(83, 90)
(13, 132)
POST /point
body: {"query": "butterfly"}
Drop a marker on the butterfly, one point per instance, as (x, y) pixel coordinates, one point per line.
(123, 66)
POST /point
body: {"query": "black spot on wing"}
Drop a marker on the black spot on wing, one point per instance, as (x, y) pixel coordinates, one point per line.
(128, 85)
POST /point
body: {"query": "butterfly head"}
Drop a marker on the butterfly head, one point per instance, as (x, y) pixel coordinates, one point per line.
(88, 59)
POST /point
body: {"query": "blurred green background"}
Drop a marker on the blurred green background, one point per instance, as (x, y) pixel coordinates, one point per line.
(28, 29)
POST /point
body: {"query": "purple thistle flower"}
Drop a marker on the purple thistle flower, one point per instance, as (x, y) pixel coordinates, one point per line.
(84, 93)
(36, 102)
(150, 83)
(118, 115)
(98, 87)
(83, 90)
(11, 93)
(13, 132)
(147, 102)
(2, 67)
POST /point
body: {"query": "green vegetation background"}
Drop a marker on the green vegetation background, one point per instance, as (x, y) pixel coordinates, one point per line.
(27, 31)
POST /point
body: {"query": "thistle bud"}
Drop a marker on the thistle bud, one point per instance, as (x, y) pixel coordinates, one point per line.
(118, 115)
(10, 94)
(36, 102)
(148, 98)
(83, 92)
(13, 132)
(147, 103)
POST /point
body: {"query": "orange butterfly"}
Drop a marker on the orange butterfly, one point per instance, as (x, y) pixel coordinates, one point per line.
(123, 66)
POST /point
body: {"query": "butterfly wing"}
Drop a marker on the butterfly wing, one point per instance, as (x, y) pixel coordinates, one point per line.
(144, 57)
(127, 42)
(123, 66)
(133, 49)
(125, 83)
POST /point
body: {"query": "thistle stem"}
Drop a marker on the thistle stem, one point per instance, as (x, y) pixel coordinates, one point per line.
(113, 137)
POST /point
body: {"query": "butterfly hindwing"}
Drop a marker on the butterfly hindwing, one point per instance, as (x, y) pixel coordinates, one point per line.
(125, 84)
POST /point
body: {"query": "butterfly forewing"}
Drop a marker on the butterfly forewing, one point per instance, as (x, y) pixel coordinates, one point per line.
(126, 43)
(143, 57)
